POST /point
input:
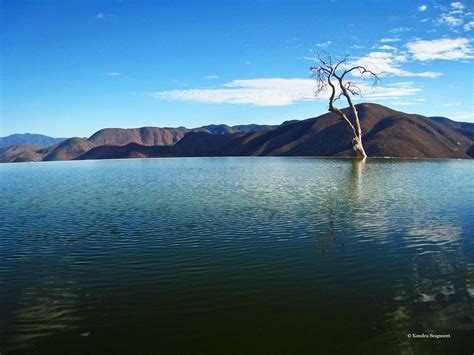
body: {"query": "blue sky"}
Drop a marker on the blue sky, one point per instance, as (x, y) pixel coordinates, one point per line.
(70, 68)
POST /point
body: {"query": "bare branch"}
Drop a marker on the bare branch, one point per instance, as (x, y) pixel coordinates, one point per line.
(362, 71)
(339, 63)
(353, 88)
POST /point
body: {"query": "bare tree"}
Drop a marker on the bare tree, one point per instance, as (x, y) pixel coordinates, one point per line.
(333, 75)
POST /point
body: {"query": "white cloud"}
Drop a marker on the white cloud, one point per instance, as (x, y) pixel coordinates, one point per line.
(211, 77)
(387, 48)
(313, 59)
(259, 92)
(392, 91)
(451, 104)
(469, 26)
(407, 102)
(451, 20)
(456, 16)
(357, 46)
(389, 40)
(114, 73)
(100, 16)
(275, 92)
(323, 44)
(445, 48)
(467, 116)
(422, 8)
(457, 5)
(388, 63)
(400, 29)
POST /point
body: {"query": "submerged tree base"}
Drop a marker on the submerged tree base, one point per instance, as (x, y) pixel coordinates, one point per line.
(359, 148)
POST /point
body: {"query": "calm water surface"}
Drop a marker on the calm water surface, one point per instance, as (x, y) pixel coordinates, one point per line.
(237, 255)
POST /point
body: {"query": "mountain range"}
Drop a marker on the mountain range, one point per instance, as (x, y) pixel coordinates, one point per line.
(387, 133)
(38, 140)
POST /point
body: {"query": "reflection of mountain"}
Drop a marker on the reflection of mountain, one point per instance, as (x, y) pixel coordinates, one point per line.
(387, 133)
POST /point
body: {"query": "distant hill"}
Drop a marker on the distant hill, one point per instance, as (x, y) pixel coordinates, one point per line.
(164, 136)
(20, 153)
(37, 140)
(143, 136)
(69, 149)
(387, 133)
(462, 127)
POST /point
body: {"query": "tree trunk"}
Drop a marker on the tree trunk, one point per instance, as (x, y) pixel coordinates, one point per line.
(358, 147)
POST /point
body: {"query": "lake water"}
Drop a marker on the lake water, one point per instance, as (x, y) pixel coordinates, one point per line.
(237, 255)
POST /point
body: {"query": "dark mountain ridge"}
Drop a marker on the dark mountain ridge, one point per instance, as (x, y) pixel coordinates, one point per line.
(387, 133)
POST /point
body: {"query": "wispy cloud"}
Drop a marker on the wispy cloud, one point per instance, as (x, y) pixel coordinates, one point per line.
(258, 92)
(324, 44)
(391, 91)
(211, 77)
(422, 8)
(451, 104)
(467, 116)
(451, 20)
(100, 16)
(457, 5)
(114, 73)
(386, 47)
(456, 16)
(469, 26)
(444, 48)
(399, 29)
(406, 102)
(389, 63)
(389, 40)
(276, 92)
